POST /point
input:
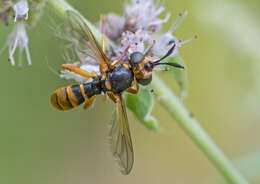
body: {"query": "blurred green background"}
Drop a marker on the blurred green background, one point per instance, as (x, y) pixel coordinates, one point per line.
(41, 145)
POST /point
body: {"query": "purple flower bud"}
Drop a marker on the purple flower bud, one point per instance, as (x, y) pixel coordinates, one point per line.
(21, 9)
(114, 26)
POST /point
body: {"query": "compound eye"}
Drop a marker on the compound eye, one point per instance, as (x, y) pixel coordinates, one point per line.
(148, 66)
(145, 81)
(137, 57)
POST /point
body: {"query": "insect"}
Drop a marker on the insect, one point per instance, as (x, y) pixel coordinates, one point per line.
(113, 80)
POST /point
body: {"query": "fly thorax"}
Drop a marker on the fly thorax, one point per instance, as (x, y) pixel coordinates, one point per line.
(120, 78)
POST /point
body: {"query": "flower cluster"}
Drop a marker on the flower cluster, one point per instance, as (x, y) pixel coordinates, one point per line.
(18, 38)
(138, 27)
(143, 14)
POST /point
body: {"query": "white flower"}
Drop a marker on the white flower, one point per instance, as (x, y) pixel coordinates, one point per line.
(138, 42)
(166, 41)
(138, 14)
(114, 26)
(18, 39)
(21, 9)
(144, 14)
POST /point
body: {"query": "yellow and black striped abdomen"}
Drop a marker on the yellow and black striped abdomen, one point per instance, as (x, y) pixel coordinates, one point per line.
(66, 98)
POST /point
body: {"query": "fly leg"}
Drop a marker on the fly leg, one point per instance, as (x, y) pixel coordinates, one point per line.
(113, 97)
(126, 66)
(89, 101)
(103, 29)
(105, 97)
(122, 55)
(79, 71)
(103, 68)
(132, 90)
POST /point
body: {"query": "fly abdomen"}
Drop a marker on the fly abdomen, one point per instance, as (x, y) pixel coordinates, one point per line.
(92, 88)
(66, 98)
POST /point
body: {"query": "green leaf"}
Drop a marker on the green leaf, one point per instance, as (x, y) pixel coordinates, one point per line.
(179, 74)
(141, 105)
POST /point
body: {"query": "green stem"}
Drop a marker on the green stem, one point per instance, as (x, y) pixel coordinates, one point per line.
(191, 126)
(173, 105)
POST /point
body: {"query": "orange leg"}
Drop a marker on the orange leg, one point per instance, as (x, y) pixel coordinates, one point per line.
(77, 70)
(126, 66)
(103, 27)
(133, 91)
(103, 67)
(89, 101)
(122, 55)
(113, 97)
(105, 97)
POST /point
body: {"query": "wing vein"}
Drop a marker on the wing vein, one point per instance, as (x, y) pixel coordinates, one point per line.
(121, 143)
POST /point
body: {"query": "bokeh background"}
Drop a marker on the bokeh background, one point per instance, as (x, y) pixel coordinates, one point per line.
(39, 144)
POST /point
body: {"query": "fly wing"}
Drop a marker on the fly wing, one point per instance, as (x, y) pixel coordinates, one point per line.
(85, 42)
(121, 143)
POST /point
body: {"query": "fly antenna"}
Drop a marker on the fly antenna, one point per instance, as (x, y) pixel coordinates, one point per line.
(170, 51)
(171, 64)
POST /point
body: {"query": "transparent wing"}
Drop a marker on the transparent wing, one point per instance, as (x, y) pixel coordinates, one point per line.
(85, 42)
(121, 143)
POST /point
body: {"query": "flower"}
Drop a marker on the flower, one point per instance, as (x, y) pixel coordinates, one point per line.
(114, 26)
(144, 14)
(137, 41)
(137, 28)
(166, 41)
(21, 9)
(18, 39)
(138, 14)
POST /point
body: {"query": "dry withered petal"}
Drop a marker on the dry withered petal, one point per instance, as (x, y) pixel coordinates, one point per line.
(4, 16)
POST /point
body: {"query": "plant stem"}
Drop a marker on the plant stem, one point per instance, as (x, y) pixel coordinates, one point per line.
(173, 105)
(191, 126)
